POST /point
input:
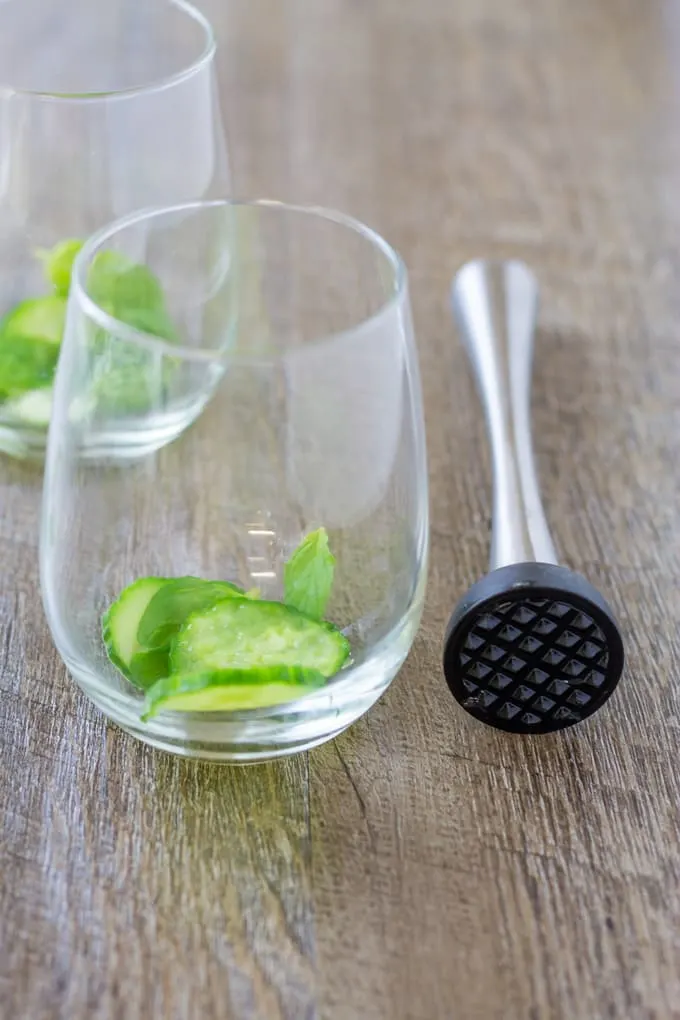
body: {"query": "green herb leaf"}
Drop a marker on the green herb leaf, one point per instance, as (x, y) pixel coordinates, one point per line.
(129, 378)
(58, 264)
(148, 667)
(103, 274)
(115, 280)
(177, 599)
(155, 321)
(308, 575)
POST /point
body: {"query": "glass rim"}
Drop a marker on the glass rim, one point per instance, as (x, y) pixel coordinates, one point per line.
(156, 85)
(130, 334)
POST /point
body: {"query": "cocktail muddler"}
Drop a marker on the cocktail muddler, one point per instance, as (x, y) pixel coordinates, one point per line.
(532, 647)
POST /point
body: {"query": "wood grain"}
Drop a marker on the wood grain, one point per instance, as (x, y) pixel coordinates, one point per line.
(420, 867)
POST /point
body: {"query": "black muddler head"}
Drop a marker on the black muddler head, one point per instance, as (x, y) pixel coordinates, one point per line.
(532, 648)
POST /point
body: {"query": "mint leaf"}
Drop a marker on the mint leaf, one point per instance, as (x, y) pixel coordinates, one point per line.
(129, 378)
(308, 575)
(105, 267)
(115, 280)
(58, 264)
(174, 602)
(130, 293)
(155, 321)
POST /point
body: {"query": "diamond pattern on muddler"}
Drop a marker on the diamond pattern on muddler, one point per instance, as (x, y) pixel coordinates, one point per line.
(532, 647)
(534, 657)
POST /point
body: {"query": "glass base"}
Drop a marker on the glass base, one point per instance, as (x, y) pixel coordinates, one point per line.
(131, 439)
(249, 738)
(227, 756)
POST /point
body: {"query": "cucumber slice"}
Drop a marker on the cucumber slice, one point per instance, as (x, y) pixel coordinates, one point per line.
(121, 621)
(32, 408)
(38, 318)
(231, 690)
(174, 602)
(245, 633)
(26, 363)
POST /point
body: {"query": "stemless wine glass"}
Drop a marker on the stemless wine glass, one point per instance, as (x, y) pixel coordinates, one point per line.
(288, 400)
(105, 108)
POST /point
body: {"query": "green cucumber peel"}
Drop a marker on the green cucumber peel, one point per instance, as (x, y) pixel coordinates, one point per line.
(231, 690)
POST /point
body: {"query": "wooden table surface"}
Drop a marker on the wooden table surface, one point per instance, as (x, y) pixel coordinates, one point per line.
(421, 866)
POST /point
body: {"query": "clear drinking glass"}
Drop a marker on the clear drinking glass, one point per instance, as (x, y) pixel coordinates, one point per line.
(105, 108)
(292, 402)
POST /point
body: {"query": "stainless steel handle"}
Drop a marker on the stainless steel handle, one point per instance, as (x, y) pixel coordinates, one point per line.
(494, 305)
